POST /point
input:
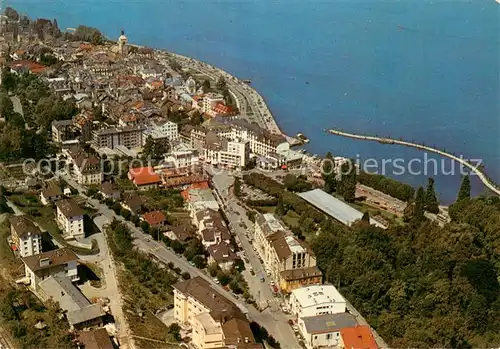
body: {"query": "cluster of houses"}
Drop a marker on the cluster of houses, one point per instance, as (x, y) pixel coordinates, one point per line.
(134, 91)
(51, 276)
(319, 309)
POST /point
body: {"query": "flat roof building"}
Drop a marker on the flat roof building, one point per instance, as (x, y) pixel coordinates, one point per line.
(316, 300)
(334, 207)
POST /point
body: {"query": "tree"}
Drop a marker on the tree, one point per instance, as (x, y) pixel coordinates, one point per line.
(206, 85)
(177, 246)
(431, 202)
(213, 269)
(125, 213)
(8, 80)
(328, 173)
(186, 275)
(221, 84)
(175, 330)
(145, 227)
(223, 278)
(135, 219)
(116, 207)
(464, 191)
(200, 261)
(366, 217)
(347, 184)
(418, 214)
(280, 207)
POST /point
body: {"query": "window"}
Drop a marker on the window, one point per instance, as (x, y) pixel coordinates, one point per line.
(328, 336)
(315, 337)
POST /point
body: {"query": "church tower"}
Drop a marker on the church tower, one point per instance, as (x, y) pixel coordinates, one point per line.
(122, 43)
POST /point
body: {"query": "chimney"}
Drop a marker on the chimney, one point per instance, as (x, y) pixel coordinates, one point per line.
(44, 262)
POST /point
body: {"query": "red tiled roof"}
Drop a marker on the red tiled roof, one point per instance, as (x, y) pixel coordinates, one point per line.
(154, 218)
(144, 175)
(33, 67)
(221, 108)
(359, 337)
(196, 185)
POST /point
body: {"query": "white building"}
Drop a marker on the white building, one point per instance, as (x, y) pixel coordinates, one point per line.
(161, 131)
(210, 100)
(182, 155)
(323, 331)
(316, 300)
(26, 236)
(62, 262)
(226, 152)
(86, 168)
(70, 219)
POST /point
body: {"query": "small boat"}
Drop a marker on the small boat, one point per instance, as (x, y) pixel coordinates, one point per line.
(302, 138)
(386, 141)
(247, 81)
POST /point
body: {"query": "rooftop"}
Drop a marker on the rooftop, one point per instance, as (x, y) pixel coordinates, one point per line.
(95, 339)
(154, 218)
(69, 208)
(218, 305)
(359, 337)
(328, 323)
(53, 258)
(144, 175)
(23, 225)
(317, 294)
(334, 207)
(61, 289)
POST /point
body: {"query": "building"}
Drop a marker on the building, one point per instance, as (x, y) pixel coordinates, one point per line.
(182, 156)
(215, 321)
(324, 330)
(80, 313)
(359, 336)
(61, 262)
(225, 152)
(156, 219)
(94, 339)
(26, 236)
(69, 217)
(86, 168)
(335, 208)
(144, 178)
(51, 193)
(199, 200)
(63, 130)
(164, 131)
(223, 254)
(209, 101)
(290, 261)
(109, 191)
(133, 203)
(127, 136)
(316, 300)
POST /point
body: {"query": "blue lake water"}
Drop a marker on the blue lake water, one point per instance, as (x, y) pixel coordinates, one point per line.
(421, 70)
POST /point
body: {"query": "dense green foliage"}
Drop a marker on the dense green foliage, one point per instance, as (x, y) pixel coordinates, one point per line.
(296, 184)
(431, 203)
(464, 191)
(40, 108)
(154, 149)
(346, 186)
(422, 285)
(21, 311)
(291, 201)
(328, 173)
(387, 185)
(89, 34)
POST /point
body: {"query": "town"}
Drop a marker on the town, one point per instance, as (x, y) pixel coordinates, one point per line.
(142, 213)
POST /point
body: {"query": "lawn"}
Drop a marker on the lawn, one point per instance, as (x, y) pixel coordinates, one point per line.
(291, 219)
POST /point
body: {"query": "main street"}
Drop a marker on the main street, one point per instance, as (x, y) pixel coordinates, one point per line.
(272, 318)
(236, 214)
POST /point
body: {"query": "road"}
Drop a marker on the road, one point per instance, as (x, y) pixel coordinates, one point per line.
(275, 321)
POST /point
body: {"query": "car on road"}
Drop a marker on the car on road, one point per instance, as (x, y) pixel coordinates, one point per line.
(191, 263)
(290, 322)
(262, 278)
(246, 260)
(216, 281)
(252, 272)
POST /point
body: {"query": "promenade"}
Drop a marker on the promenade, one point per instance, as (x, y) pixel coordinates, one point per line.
(480, 174)
(249, 102)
